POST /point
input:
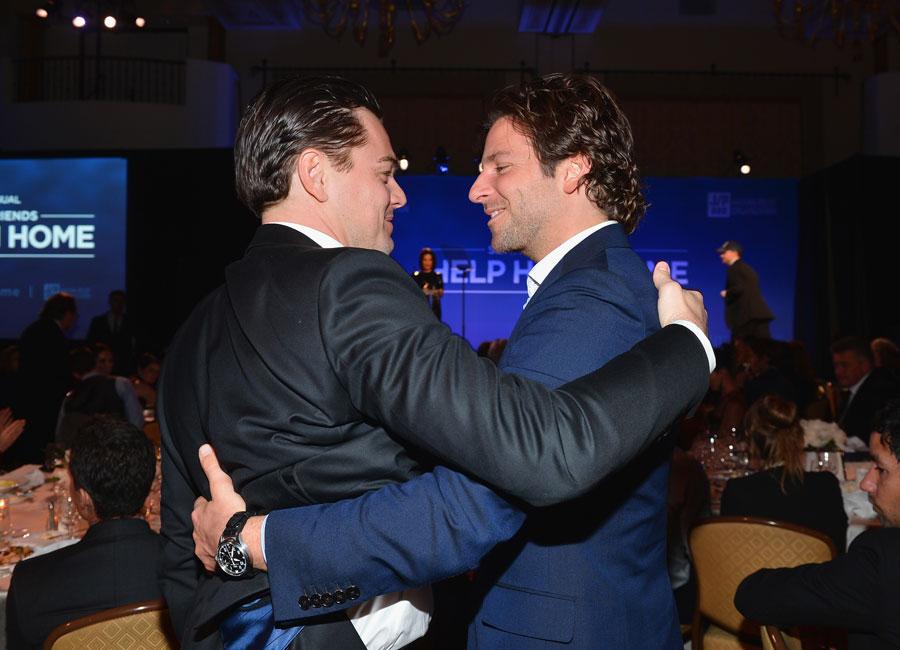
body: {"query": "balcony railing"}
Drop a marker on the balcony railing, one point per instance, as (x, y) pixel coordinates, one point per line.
(113, 79)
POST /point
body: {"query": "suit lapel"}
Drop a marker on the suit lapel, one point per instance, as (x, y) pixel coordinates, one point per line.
(584, 253)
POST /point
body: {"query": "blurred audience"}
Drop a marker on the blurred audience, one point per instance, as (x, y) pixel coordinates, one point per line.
(111, 469)
(96, 393)
(797, 367)
(761, 374)
(144, 380)
(865, 389)
(44, 377)
(725, 399)
(10, 429)
(782, 490)
(856, 591)
(9, 375)
(886, 354)
(113, 328)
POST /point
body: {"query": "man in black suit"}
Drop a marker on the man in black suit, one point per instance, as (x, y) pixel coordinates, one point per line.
(856, 591)
(44, 377)
(114, 329)
(865, 389)
(746, 313)
(319, 344)
(112, 467)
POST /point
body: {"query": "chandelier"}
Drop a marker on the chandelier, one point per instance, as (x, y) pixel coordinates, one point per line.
(425, 16)
(841, 21)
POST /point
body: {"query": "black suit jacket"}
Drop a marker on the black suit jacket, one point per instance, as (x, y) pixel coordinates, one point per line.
(858, 417)
(114, 564)
(743, 299)
(44, 379)
(816, 503)
(319, 374)
(856, 591)
(121, 341)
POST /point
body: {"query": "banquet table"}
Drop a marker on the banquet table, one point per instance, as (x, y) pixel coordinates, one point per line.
(723, 459)
(29, 519)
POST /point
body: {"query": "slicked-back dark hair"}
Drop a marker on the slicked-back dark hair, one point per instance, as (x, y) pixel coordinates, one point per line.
(115, 463)
(291, 115)
(565, 114)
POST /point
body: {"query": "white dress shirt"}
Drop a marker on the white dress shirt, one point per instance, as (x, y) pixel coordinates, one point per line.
(391, 620)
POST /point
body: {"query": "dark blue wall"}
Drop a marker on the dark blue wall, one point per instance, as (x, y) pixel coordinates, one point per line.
(688, 219)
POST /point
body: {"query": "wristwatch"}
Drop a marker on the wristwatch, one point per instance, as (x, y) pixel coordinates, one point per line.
(232, 555)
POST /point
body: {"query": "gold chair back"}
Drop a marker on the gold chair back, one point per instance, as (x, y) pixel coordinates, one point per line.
(726, 550)
(140, 626)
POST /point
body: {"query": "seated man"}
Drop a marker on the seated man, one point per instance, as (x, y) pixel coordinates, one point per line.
(856, 591)
(97, 393)
(111, 469)
(866, 389)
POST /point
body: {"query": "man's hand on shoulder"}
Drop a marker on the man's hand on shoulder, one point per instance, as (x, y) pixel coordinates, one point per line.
(677, 303)
(209, 517)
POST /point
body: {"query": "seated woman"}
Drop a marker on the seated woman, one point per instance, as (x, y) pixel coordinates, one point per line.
(782, 490)
(144, 381)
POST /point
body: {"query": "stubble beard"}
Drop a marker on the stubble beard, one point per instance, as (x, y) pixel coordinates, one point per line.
(521, 231)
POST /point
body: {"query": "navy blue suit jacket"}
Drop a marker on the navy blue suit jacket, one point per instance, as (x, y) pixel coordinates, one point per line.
(602, 557)
(592, 572)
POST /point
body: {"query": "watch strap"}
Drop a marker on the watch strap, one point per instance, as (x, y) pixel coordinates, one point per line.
(236, 524)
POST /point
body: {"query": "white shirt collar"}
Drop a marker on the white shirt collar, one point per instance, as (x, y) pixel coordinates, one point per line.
(323, 240)
(542, 269)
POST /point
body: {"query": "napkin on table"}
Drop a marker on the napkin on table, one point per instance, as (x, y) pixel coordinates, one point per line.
(27, 476)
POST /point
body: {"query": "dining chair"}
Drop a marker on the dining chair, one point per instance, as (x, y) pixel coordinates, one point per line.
(725, 550)
(774, 638)
(139, 626)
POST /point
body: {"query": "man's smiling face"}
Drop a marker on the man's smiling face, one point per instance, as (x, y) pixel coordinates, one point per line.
(516, 194)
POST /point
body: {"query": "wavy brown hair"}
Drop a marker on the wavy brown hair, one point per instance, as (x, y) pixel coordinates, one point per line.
(566, 114)
(775, 436)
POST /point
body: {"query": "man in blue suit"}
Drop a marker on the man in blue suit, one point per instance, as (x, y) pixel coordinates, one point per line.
(560, 185)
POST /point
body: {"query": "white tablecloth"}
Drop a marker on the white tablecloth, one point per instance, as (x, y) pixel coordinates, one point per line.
(29, 511)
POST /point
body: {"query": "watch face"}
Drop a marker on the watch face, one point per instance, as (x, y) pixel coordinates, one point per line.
(231, 558)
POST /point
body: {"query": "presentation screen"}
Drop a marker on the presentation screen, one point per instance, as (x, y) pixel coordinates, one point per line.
(62, 228)
(687, 220)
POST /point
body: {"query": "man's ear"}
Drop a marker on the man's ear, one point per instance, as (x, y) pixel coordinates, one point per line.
(310, 168)
(573, 168)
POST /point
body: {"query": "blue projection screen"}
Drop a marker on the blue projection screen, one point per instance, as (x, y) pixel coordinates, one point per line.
(62, 228)
(687, 220)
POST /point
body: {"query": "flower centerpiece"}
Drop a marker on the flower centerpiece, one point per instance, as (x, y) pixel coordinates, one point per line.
(822, 436)
(825, 443)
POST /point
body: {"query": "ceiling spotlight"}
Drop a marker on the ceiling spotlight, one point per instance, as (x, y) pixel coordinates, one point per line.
(441, 161)
(742, 162)
(79, 22)
(403, 160)
(41, 12)
(139, 22)
(109, 22)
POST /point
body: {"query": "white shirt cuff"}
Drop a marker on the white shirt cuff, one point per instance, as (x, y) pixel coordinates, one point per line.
(262, 538)
(707, 346)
